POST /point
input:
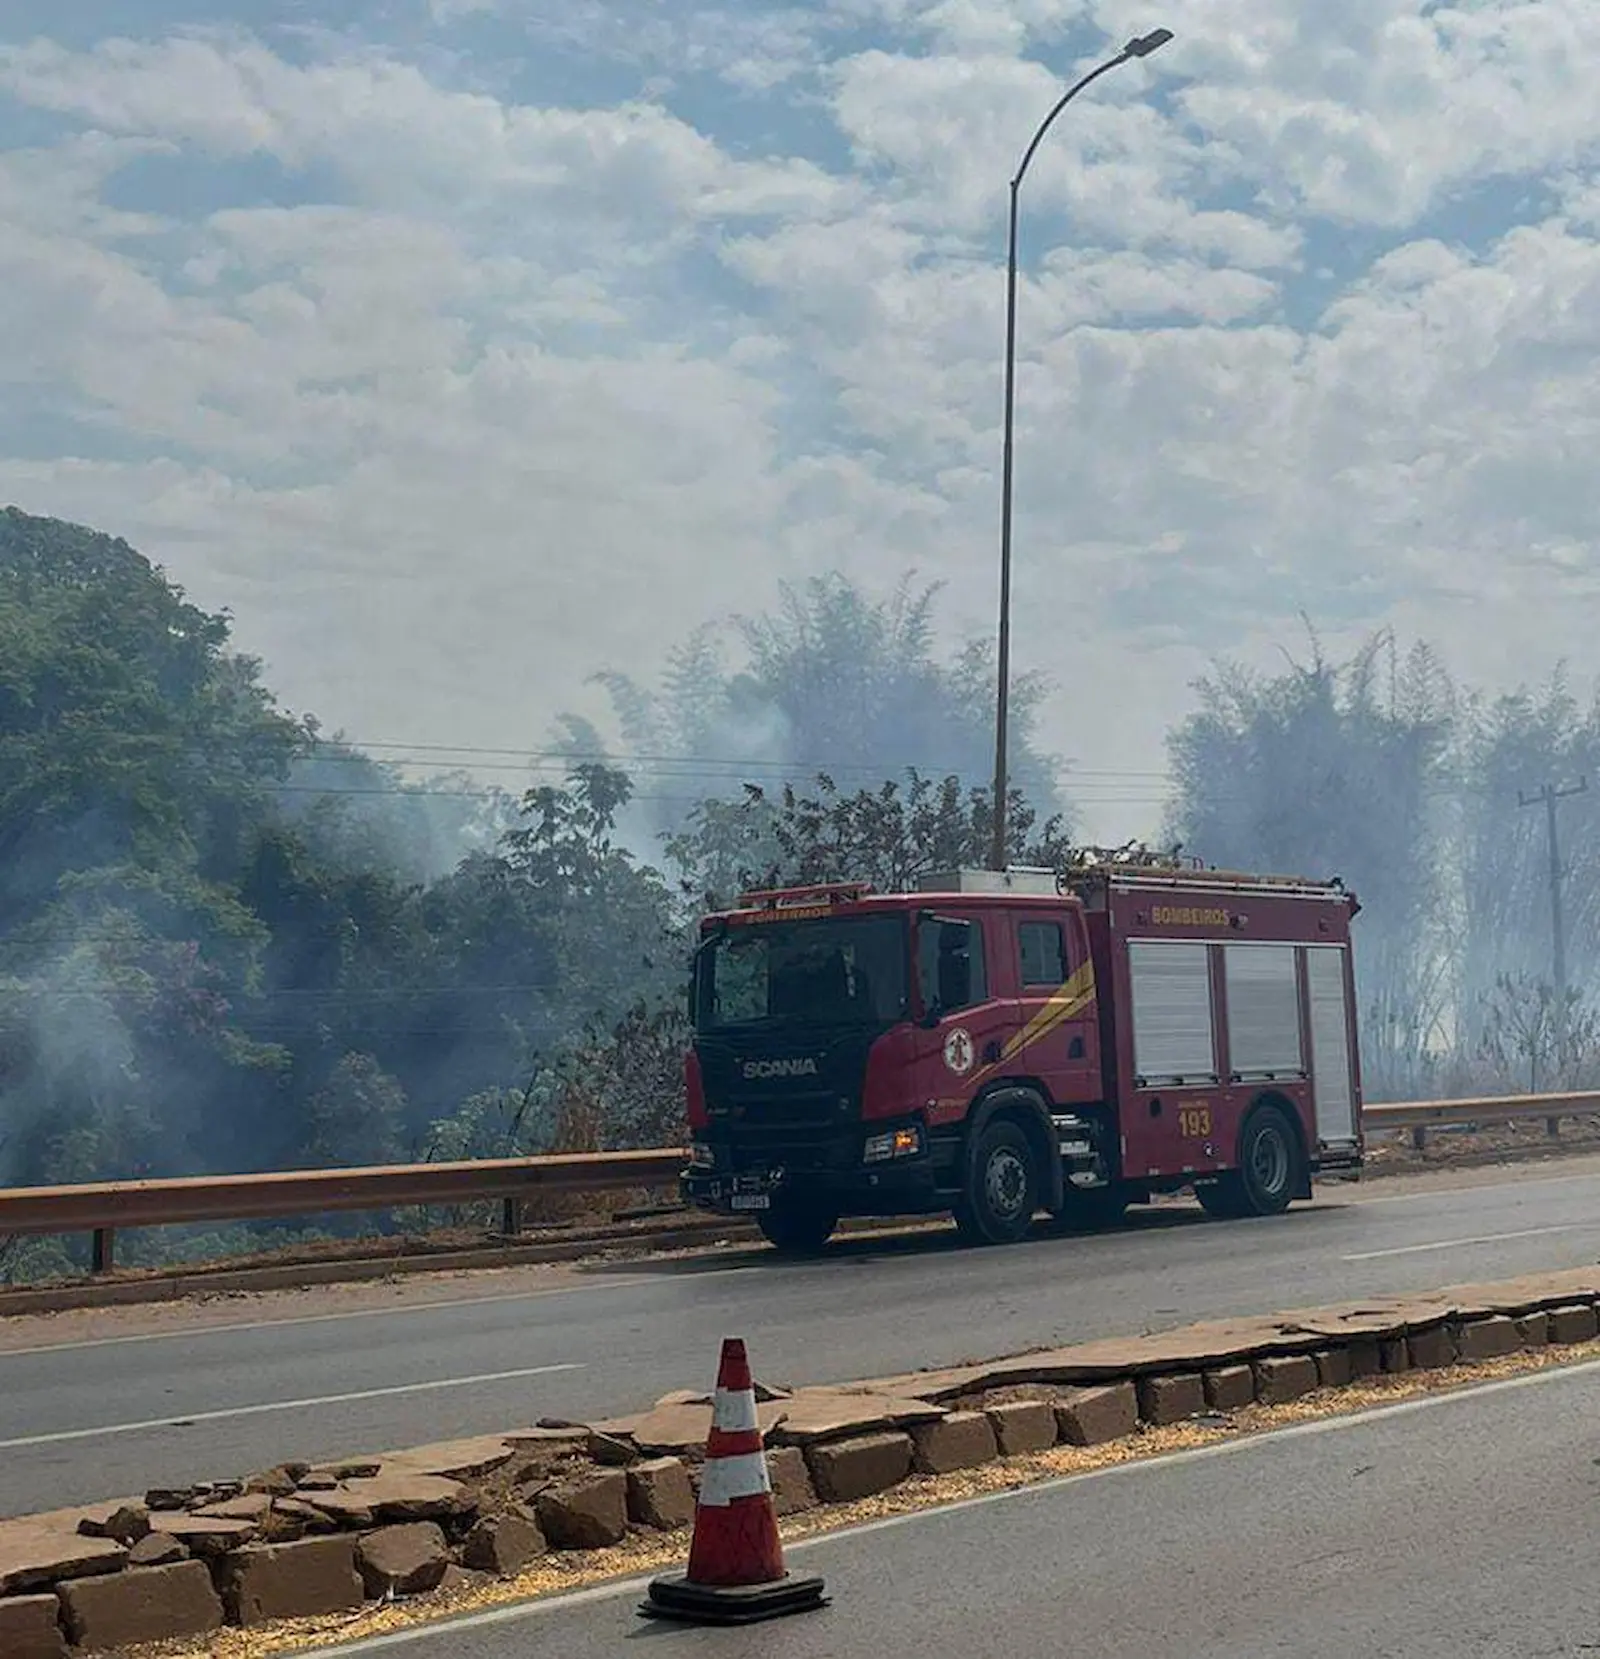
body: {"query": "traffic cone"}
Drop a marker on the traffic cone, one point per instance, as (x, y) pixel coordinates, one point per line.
(736, 1573)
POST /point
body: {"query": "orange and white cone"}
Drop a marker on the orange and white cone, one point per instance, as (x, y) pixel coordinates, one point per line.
(736, 1573)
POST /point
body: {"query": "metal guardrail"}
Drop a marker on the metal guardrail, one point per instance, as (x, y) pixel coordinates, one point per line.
(100, 1208)
(1420, 1115)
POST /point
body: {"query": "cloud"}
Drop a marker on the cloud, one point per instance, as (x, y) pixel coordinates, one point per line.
(454, 392)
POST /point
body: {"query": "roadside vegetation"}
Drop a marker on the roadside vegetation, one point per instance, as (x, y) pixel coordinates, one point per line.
(233, 940)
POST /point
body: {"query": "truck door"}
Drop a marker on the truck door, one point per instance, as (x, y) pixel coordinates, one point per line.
(1058, 1034)
(965, 1026)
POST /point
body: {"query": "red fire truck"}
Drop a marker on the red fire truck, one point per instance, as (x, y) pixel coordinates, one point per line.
(1000, 1043)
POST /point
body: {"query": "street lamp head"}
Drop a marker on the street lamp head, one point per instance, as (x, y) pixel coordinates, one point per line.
(1141, 46)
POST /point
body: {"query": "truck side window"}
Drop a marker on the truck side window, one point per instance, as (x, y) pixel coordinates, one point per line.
(950, 965)
(1043, 953)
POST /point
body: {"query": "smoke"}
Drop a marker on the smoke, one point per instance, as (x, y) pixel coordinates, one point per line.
(356, 812)
(69, 1067)
(836, 680)
(1383, 772)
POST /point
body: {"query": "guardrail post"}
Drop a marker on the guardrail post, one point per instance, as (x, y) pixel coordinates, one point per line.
(1419, 1138)
(102, 1257)
(511, 1217)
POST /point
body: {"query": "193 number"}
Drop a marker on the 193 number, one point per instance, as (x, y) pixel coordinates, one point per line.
(1194, 1122)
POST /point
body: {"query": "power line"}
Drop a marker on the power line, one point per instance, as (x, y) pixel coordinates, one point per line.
(623, 758)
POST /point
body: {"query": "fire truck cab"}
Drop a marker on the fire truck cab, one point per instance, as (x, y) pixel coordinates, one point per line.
(1000, 1043)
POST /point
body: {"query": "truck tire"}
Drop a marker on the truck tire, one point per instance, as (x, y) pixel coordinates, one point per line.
(1268, 1172)
(797, 1226)
(999, 1205)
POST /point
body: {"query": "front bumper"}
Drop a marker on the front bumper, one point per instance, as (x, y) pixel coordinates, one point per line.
(731, 1186)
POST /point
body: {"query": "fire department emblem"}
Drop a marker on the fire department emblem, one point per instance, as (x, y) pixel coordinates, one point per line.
(958, 1052)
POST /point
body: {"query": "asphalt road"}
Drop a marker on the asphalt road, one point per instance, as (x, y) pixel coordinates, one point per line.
(1459, 1528)
(110, 1418)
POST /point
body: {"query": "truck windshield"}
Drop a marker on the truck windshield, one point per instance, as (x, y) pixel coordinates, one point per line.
(849, 971)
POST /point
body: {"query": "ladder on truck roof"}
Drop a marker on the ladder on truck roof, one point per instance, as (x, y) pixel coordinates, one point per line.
(1134, 878)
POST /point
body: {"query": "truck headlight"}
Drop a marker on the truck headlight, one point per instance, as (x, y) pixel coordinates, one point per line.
(702, 1156)
(897, 1143)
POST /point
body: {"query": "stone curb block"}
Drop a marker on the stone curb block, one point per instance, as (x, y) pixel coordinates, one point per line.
(589, 1512)
(30, 1628)
(1366, 1359)
(154, 1604)
(845, 1470)
(405, 1560)
(793, 1491)
(1167, 1400)
(502, 1545)
(659, 1494)
(1491, 1338)
(1230, 1388)
(292, 1581)
(1574, 1324)
(1285, 1377)
(963, 1440)
(1432, 1348)
(1023, 1427)
(1093, 1416)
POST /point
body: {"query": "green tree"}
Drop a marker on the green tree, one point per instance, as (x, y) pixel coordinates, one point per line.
(889, 836)
(358, 1116)
(128, 732)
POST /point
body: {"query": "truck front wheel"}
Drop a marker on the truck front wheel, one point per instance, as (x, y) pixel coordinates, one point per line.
(797, 1226)
(1003, 1192)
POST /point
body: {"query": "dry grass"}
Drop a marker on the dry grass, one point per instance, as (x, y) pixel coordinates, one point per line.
(555, 1574)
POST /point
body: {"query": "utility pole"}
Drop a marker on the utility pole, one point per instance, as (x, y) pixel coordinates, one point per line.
(1548, 796)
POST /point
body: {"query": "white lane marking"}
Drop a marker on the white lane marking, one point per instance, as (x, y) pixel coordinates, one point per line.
(185, 1420)
(190, 1332)
(1479, 1238)
(443, 1629)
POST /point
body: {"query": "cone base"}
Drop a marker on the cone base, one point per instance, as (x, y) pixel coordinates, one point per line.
(675, 1598)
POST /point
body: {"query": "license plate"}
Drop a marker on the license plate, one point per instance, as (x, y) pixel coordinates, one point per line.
(751, 1201)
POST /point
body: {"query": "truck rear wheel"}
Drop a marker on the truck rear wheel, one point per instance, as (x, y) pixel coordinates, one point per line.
(999, 1204)
(1268, 1172)
(797, 1226)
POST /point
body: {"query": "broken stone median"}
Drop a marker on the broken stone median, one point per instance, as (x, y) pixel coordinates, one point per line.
(303, 1540)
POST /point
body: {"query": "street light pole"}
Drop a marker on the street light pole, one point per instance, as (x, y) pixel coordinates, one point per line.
(1140, 47)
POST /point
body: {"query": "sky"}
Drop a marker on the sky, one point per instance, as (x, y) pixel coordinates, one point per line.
(463, 348)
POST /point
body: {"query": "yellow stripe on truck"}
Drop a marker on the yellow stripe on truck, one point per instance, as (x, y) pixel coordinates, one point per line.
(1064, 1003)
